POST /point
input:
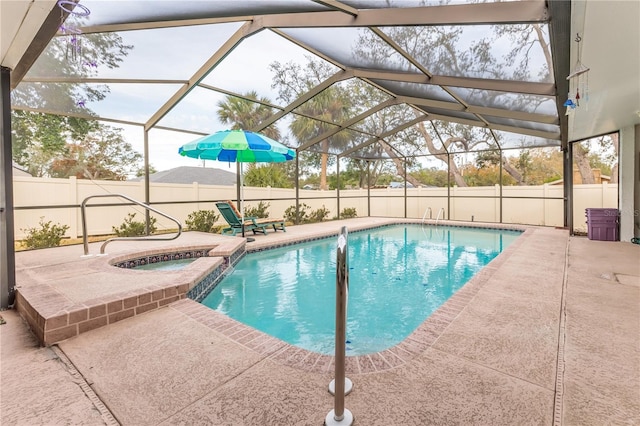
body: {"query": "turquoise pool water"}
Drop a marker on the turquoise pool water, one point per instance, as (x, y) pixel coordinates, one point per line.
(170, 265)
(398, 276)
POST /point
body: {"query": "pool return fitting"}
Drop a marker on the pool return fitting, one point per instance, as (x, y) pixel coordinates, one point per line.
(340, 386)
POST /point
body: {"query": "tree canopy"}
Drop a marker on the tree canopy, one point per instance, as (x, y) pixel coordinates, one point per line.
(53, 145)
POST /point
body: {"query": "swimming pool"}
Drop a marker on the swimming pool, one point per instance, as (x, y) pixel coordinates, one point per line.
(399, 275)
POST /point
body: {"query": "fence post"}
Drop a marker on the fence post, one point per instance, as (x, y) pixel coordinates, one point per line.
(195, 186)
(545, 205)
(73, 200)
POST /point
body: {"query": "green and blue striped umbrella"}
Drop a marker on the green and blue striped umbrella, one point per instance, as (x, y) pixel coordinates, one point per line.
(239, 146)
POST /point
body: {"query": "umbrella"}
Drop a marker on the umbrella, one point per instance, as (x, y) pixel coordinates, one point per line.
(239, 146)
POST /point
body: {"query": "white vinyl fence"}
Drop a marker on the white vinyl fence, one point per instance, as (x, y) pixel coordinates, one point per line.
(58, 201)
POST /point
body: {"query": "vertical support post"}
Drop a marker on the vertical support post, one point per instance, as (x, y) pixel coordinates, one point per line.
(448, 186)
(7, 250)
(500, 179)
(368, 188)
(297, 188)
(147, 187)
(338, 186)
(340, 386)
(568, 187)
(405, 188)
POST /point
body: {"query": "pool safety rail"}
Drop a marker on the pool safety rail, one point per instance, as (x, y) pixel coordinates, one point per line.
(341, 386)
(424, 216)
(438, 217)
(141, 204)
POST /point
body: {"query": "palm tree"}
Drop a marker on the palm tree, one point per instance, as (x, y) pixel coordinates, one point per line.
(329, 106)
(243, 114)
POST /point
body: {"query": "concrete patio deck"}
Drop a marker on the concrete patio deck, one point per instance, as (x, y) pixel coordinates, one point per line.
(547, 334)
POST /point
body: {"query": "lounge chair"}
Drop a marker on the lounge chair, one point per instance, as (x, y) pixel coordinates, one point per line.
(251, 223)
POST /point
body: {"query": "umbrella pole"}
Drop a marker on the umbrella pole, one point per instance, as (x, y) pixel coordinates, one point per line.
(242, 201)
(241, 197)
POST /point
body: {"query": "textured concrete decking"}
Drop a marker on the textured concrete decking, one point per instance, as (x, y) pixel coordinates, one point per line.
(549, 333)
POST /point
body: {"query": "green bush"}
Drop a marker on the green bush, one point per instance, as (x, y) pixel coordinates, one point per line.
(202, 220)
(48, 235)
(302, 217)
(217, 229)
(318, 215)
(261, 211)
(132, 228)
(348, 213)
(305, 215)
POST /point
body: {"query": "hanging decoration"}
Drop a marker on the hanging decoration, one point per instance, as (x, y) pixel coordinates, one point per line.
(578, 82)
(73, 53)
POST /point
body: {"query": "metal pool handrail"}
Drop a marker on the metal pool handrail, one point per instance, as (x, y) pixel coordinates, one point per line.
(146, 206)
(341, 385)
(425, 214)
(440, 211)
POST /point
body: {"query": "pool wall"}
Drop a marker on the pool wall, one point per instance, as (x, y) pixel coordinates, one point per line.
(56, 306)
(416, 343)
(53, 317)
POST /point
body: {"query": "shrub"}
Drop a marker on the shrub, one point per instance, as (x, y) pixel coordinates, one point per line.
(132, 228)
(202, 220)
(261, 211)
(48, 235)
(318, 215)
(348, 213)
(302, 217)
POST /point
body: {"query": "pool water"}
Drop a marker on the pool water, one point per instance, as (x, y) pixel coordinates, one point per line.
(169, 265)
(398, 276)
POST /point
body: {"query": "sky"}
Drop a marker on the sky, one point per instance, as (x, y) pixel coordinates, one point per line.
(167, 56)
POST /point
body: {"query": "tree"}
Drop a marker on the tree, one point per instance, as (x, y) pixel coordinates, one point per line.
(581, 158)
(449, 51)
(243, 114)
(492, 159)
(533, 166)
(102, 154)
(432, 176)
(316, 115)
(140, 172)
(271, 174)
(40, 138)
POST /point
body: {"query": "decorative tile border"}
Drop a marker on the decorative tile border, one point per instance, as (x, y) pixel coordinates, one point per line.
(204, 287)
(500, 227)
(161, 257)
